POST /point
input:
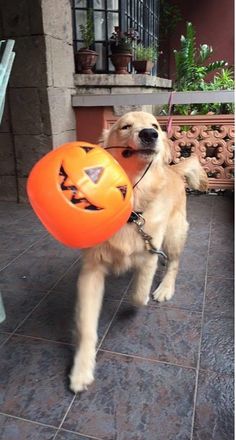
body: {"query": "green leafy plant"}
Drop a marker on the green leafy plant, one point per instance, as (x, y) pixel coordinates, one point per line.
(87, 30)
(146, 53)
(223, 80)
(192, 68)
(190, 62)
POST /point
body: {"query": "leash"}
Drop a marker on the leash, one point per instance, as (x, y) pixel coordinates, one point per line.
(128, 152)
(170, 117)
(136, 217)
(139, 221)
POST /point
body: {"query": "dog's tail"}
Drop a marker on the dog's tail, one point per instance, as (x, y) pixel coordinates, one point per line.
(194, 173)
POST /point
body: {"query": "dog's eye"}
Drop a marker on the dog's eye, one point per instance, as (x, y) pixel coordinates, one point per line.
(125, 127)
(155, 126)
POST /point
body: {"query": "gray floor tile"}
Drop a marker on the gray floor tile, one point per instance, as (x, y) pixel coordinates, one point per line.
(16, 429)
(134, 399)
(39, 268)
(217, 348)
(223, 210)
(21, 235)
(193, 260)
(170, 335)
(7, 256)
(131, 399)
(114, 286)
(18, 305)
(199, 210)
(189, 291)
(221, 263)
(34, 379)
(222, 238)
(3, 336)
(54, 318)
(214, 418)
(198, 238)
(67, 435)
(220, 296)
(69, 281)
(11, 212)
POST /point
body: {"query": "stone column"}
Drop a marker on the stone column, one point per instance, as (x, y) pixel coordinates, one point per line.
(39, 116)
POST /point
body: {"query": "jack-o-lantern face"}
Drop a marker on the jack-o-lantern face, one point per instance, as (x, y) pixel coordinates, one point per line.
(80, 193)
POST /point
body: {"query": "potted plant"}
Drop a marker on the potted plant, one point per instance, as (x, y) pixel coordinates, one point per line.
(121, 46)
(85, 57)
(145, 58)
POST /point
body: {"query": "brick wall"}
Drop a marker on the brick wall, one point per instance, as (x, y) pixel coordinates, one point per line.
(38, 114)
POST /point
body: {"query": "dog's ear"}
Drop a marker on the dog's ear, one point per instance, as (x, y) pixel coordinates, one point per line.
(104, 137)
(167, 156)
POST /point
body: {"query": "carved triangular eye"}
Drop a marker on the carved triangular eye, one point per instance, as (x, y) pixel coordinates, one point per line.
(62, 172)
(95, 173)
(87, 149)
(123, 190)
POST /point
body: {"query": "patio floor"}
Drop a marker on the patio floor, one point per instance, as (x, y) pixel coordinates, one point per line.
(164, 372)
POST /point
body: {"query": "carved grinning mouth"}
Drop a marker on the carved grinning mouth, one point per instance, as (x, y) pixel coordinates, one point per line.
(75, 199)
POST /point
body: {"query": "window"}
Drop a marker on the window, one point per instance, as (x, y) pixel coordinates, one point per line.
(141, 15)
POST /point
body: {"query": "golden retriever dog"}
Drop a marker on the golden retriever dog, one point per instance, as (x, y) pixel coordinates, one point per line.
(142, 149)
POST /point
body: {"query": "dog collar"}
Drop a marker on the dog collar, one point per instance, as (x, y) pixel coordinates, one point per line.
(134, 216)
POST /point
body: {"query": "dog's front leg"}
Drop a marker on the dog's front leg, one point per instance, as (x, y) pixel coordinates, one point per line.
(89, 301)
(143, 280)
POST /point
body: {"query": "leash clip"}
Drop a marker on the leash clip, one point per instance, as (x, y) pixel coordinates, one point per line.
(139, 220)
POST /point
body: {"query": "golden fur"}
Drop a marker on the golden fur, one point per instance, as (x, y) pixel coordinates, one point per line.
(160, 195)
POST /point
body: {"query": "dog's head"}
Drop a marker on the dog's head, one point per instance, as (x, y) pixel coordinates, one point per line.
(140, 135)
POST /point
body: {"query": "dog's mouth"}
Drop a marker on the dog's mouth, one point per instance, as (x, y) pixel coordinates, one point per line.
(141, 152)
(146, 152)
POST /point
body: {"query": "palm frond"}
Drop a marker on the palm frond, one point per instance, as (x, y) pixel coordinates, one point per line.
(215, 65)
(205, 52)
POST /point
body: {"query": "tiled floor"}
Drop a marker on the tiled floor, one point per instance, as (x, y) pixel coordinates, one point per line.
(164, 372)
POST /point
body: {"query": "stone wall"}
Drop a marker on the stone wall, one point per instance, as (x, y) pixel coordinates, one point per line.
(38, 114)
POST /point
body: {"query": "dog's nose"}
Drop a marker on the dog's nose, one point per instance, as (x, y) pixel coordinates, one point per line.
(148, 135)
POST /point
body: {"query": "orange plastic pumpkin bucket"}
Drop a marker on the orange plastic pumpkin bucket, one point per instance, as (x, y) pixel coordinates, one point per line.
(80, 193)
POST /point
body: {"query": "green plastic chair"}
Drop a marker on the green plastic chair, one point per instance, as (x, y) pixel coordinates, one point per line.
(6, 60)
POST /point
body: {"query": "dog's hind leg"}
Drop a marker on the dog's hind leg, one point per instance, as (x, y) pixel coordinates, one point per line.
(89, 301)
(173, 245)
(143, 280)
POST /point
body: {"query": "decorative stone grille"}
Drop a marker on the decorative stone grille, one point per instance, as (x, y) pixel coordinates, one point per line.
(211, 137)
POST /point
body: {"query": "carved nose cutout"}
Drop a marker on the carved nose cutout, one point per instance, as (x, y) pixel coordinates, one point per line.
(94, 173)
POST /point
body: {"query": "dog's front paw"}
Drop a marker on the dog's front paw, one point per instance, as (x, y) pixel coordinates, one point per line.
(163, 293)
(79, 381)
(139, 298)
(140, 301)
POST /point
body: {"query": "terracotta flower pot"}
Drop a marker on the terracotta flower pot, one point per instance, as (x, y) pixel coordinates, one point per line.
(85, 60)
(120, 61)
(143, 66)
